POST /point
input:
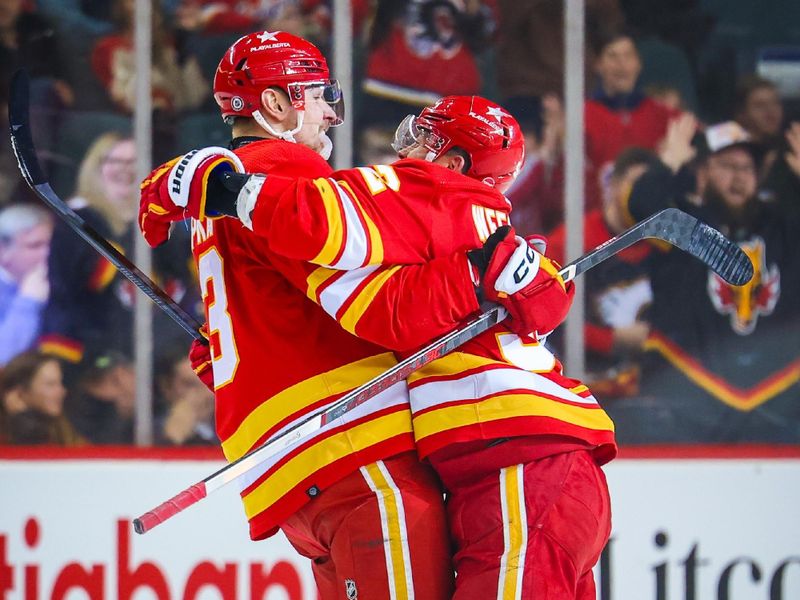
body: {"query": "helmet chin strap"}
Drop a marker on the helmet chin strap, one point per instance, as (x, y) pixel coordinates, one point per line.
(327, 144)
(283, 135)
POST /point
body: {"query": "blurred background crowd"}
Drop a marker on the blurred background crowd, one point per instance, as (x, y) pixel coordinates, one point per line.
(692, 103)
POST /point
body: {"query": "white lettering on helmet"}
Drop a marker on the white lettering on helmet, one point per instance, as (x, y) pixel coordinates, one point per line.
(270, 46)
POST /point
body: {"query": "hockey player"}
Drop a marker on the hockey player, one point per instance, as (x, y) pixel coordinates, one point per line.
(354, 498)
(517, 444)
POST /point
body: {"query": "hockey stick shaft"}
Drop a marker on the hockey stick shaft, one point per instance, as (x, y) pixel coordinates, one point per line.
(25, 151)
(670, 225)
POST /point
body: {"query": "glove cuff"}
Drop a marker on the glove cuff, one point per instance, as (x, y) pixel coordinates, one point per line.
(223, 190)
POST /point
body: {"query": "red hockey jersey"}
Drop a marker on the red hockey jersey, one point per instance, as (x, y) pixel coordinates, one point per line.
(498, 384)
(277, 355)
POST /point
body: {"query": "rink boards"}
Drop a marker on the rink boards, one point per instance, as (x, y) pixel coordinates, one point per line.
(703, 524)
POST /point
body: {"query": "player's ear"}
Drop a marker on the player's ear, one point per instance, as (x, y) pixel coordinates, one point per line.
(455, 162)
(275, 105)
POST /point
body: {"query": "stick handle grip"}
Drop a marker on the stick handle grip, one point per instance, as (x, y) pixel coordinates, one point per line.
(170, 508)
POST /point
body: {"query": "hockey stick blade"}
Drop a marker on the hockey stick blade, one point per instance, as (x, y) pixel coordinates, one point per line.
(25, 151)
(670, 225)
(683, 231)
(702, 241)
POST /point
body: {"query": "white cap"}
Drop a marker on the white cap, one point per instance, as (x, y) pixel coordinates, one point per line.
(724, 135)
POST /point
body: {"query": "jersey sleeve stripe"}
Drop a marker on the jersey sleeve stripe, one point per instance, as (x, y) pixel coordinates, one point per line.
(361, 300)
(356, 241)
(336, 233)
(316, 280)
(292, 400)
(375, 247)
(335, 295)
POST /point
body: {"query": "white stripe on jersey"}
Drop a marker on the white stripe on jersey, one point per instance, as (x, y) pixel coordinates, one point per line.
(356, 243)
(392, 396)
(337, 293)
(485, 383)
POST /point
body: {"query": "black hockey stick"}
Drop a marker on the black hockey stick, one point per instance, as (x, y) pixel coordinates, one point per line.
(22, 143)
(671, 225)
(683, 231)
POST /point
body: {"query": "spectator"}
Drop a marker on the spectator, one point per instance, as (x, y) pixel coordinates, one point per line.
(618, 290)
(538, 192)
(28, 40)
(306, 18)
(759, 109)
(666, 95)
(89, 305)
(618, 114)
(32, 403)
(177, 84)
(421, 50)
(189, 418)
(723, 360)
(25, 233)
(530, 48)
(105, 399)
(78, 17)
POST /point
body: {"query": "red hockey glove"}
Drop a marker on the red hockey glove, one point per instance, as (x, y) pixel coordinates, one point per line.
(522, 280)
(179, 188)
(200, 357)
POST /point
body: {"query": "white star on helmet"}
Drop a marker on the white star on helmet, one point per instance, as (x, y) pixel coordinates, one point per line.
(267, 36)
(496, 112)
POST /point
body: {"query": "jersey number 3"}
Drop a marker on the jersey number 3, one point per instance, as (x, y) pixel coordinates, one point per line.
(212, 282)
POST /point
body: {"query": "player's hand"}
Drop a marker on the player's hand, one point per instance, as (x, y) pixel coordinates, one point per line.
(200, 358)
(524, 281)
(179, 188)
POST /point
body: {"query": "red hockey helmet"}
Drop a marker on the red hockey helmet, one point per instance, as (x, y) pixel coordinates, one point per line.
(484, 130)
(272, 59)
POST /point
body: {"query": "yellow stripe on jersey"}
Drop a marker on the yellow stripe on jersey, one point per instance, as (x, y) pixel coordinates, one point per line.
(393, 527)
(325, 452)
(293, 399)
(508, 406)
(579, 389)
(376, 242)
(349, 320)
(515, 533)
(333, 243)
(453, 364)
(316, 279)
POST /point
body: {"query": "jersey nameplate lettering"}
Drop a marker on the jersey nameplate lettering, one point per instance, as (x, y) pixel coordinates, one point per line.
(201, 231)
(487, 220)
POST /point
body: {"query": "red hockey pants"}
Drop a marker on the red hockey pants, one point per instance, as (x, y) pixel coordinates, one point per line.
(532, 530)
(378, 534)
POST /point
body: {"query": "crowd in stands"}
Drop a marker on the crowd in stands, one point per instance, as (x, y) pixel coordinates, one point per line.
(678, 112)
